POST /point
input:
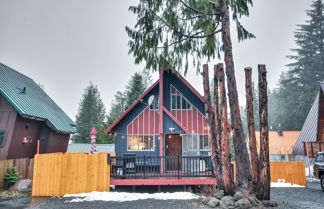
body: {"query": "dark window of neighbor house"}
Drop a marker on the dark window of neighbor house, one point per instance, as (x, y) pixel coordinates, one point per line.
(2, 138)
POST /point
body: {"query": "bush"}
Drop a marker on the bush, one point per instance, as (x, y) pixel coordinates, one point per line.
(11, 177)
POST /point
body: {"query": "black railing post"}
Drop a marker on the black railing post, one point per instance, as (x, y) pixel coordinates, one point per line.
(144, 164)
(178, 166)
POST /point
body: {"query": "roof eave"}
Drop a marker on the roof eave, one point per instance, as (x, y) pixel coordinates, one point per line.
(109, 129)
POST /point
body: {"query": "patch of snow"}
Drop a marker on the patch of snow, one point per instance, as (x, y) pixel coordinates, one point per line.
(126, 196)
(276, 184)
(309, 171)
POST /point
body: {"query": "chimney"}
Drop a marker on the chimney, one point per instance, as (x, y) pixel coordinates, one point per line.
(279, 131)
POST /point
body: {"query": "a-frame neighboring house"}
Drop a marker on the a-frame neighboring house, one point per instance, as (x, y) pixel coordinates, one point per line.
(311, 138)
(28, 114)
(164, 134)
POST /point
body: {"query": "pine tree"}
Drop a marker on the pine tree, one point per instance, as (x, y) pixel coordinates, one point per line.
(299, 85)
(91, 113)
(134, 89)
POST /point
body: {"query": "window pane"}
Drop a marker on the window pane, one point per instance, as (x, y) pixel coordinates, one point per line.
(206, 142)
(184, 104)
(150, 143)
(2, 133)
(173, 101)
(132, 143)
(178, 102)
(201, 142)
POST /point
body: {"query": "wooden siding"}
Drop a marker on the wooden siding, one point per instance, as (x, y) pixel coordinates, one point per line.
(7, 122)
(24, 128)
(24, 166)
(58, 174)
(147, 122)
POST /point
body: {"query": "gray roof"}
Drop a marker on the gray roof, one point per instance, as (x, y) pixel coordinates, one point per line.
(309, 129)
(31, 101)
(86, 147)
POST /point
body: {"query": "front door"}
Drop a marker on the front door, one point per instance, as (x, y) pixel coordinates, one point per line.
(173, 144)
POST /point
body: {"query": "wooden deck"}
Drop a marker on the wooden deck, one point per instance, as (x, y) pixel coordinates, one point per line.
(164, 181)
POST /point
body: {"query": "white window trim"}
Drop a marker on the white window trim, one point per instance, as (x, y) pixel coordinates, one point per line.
(181, 96)
(148, 150)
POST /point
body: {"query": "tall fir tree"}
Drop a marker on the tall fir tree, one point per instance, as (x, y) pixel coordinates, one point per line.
(134, 88)
(91, 113)
(299, 85)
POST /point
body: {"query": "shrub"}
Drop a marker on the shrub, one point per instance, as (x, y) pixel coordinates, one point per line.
(11, 177)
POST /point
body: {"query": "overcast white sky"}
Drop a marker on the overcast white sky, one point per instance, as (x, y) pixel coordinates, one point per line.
(64, 45)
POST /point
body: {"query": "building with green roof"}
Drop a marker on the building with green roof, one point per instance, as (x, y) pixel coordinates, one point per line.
(28, 114)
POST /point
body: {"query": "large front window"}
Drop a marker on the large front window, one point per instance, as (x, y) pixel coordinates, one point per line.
(140, 142)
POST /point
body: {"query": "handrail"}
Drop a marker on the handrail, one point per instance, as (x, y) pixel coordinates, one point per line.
(149, 166)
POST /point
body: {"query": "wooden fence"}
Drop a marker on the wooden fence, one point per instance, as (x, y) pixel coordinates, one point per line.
(58, 174)
(23, 165)
(291, 172)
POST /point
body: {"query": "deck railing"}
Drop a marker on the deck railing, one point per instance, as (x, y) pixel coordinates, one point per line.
(131, 167)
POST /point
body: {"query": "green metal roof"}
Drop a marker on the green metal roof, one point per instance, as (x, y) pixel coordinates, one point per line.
(34, 103)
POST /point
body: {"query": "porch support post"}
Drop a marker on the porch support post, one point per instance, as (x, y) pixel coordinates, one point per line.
(161, 120)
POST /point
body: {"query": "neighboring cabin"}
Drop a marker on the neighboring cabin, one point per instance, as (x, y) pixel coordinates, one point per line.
(311, 138)
(281, 144)
(28, 114)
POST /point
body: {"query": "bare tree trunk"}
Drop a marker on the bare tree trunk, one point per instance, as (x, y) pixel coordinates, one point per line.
(264, 190)
(251, 129)
(225, 153)
(243, 174)
(218, 125)
(211, 128)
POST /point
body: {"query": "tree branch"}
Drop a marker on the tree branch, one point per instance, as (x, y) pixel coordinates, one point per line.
(197, 10)
(192, 36)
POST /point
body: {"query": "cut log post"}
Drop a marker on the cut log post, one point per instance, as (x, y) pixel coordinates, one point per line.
(251, 129)
(225, 153)
(264, 190)
(211, 128)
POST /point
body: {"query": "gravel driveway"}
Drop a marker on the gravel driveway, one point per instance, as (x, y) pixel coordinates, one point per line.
(288, 198)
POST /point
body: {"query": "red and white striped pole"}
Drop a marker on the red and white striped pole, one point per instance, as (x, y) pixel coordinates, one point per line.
(93, 149)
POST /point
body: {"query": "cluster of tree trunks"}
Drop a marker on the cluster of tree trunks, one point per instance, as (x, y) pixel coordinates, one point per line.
(260, 166)
(218, 134)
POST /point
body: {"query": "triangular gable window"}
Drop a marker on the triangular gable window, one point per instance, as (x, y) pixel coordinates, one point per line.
(178, 101)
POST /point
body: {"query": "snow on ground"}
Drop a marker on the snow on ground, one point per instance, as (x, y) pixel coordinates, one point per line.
(276, 184)
(127, 196)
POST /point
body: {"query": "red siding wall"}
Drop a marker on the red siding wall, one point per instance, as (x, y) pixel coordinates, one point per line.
(147, 122)
(192, 119)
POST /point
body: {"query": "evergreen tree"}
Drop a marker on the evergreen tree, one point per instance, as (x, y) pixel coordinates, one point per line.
(134, 89)
(91, 113)
(299, 85)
